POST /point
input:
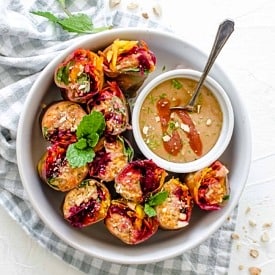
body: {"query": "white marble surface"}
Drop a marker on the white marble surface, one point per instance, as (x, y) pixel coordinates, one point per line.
(249, 60)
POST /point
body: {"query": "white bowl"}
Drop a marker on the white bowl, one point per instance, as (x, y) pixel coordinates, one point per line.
(171, 51)
(226, 131)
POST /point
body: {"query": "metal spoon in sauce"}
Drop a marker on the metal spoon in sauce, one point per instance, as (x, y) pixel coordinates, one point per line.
(224, 31)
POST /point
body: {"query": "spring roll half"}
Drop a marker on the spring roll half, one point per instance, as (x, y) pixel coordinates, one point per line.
(139, 179)
(60, 120)
(86, 204)
(111, 102)
(80, 76)
(128, 222)
(175, 212)
(209, 186)
(128, 62)
(54, 169)
(112, 154)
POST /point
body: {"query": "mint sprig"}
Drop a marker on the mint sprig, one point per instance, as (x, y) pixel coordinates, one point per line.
(154, 200)
(88, 133)
(77, 23)
(79, 157)
(91, 126)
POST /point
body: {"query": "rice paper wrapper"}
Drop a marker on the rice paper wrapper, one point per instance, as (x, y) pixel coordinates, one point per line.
(209, 187)
(129, 63)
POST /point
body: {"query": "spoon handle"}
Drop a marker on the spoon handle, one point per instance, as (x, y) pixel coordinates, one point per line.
(224, 31)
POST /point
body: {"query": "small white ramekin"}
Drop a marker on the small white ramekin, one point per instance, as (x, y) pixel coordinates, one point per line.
(225, 134)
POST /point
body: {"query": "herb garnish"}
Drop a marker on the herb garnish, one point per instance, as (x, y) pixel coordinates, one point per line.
(226, 197)
(88, 133)
(77, 23)
(176, 84)
(63, 74)
(154, 200)
(127, 150)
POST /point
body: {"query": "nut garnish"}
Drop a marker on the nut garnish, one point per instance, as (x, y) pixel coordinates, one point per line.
(113, 3)
(267, 225)
(265, 237)
(241, 267)
(248, 209)
(252, 223)
(254, 270)
(157, 10)
(145, 15)
(235, 236)
(132, 6)
(166, 138)
(208, 122)
(254, 253)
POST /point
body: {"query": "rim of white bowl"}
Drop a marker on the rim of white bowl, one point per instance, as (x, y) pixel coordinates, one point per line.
(226, 130)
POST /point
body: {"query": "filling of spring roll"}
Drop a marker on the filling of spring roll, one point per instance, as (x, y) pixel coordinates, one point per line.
(129, 222)
(80, 76)
(175, 211)
(112, 103)
(127, 55)
(111, 156)
(139, 179)
(210, 186)
(55, 170)
(86, 204)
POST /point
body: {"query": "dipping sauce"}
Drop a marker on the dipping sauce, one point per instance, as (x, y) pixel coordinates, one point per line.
(180, 136)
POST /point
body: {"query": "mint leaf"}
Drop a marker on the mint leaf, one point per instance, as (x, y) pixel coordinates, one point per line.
(93, 139)
(78, 23)
(62, 75)
(79, 157)
(154, 200)
(81, 144)
(158, 198)
(92, 123)
(47, 15)
(149, 210)
(88, 133)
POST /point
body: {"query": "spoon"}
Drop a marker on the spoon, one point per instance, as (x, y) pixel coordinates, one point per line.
(224, 31)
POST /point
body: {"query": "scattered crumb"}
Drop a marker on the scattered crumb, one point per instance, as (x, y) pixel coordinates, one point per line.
(252, 223)
(157, 10)
(113, 3)
(247, 210)
(132, 6)
(265, 237)
(254, 253)
(208, 122)
(267, 225)
(235, 236)
(43, 105)
(241, 267)
(254, 270)
(229, 218)
(145, 15)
